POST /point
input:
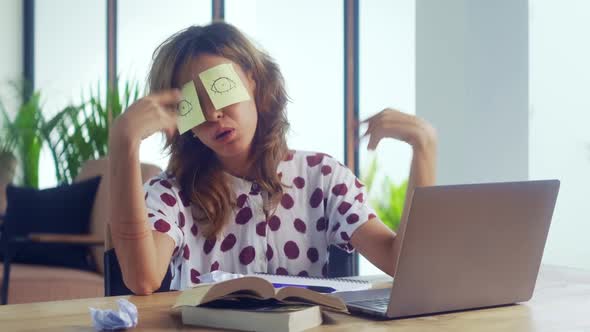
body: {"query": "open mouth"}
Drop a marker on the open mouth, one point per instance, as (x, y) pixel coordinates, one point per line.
(224, 134)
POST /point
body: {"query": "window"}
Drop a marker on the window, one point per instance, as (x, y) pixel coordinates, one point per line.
(142, 26)
(70, 59)
(309, 53)
(387, 79)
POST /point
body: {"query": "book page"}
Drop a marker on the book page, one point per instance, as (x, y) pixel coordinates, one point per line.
(251, 287)
(306, 296)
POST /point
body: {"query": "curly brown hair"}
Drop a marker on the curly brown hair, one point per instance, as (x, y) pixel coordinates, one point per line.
(194, 165)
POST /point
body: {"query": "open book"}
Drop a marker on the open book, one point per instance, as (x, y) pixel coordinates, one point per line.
(255, 288)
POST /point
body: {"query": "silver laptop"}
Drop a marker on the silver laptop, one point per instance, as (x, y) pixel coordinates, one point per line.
(466, 247)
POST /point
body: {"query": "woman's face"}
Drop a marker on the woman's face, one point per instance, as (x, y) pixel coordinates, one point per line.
(228, 131)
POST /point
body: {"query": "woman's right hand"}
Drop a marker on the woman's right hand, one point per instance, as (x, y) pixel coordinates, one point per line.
(148, 115)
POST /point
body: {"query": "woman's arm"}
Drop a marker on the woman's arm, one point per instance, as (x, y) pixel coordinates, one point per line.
(374, 240)
(144, 255)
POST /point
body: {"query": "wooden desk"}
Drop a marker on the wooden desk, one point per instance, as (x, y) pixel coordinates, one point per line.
(561, 303)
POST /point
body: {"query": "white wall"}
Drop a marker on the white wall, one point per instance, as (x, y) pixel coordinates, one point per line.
(560, 121)
(472, 84)
(11, 56)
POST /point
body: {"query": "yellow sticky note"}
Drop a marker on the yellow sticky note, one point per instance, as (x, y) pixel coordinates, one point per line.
(224, 86)
(190, 113)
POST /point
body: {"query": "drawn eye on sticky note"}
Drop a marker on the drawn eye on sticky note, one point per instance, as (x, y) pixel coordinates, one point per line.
(223, 85)
(190, 113)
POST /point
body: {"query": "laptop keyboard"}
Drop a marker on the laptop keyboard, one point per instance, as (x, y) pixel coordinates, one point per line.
(378, 304)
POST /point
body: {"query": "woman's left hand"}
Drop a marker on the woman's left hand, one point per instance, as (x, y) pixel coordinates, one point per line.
(402, 126)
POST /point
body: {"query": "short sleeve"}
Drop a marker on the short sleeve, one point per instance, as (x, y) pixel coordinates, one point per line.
(164, 210)
(347, 206)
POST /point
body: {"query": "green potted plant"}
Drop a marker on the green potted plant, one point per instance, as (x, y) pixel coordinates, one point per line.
(7, 167)
(22, 137)
(389, 202)
(20, 144)
(78, 134)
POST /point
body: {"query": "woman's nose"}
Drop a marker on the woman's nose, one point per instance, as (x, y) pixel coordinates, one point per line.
(214, 115)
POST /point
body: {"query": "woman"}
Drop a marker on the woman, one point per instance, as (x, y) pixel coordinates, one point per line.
(234, 198)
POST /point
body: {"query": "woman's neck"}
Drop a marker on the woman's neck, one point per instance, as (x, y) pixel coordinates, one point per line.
(239, 166)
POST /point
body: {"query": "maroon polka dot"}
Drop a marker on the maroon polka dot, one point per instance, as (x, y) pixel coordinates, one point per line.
(358, 184)
(280, 175)
(243, 216)
(326, 170)
(181, 219)
(299, 182)
(299, 225)
(359, 197)
(166, 184)
(228, 242)
(372, 216)
(344, 207)
(313, 255)
(352, 218)
(145, 197)
(282, 271)
(241, 200)
(303, 274)
(289, 156)
(325, 270)
(291, 250)
(340, 189)
(185, 201)
(162, 226)
(214, 266)
(335, 227)
(150, 215)
(344, 236)
(152, 181)
(168, 199)
(247, 255)
(316, 198)
(194, 229)
(321, 224)
(209, 244)
(274, 223)
(161, 212)
(195, 276)
(287, 201)
(314, 160)
(261, 228)
(186, 253)
(269, 252)
(175, 251)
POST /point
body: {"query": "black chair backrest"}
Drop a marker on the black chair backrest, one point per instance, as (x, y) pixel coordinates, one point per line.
(113, 278)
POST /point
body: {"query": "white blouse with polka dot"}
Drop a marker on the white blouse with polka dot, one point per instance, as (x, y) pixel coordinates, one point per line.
(323, 204)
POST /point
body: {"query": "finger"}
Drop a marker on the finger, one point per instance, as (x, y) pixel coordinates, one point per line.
(374, 141)
(167, 97)
(372, 117)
